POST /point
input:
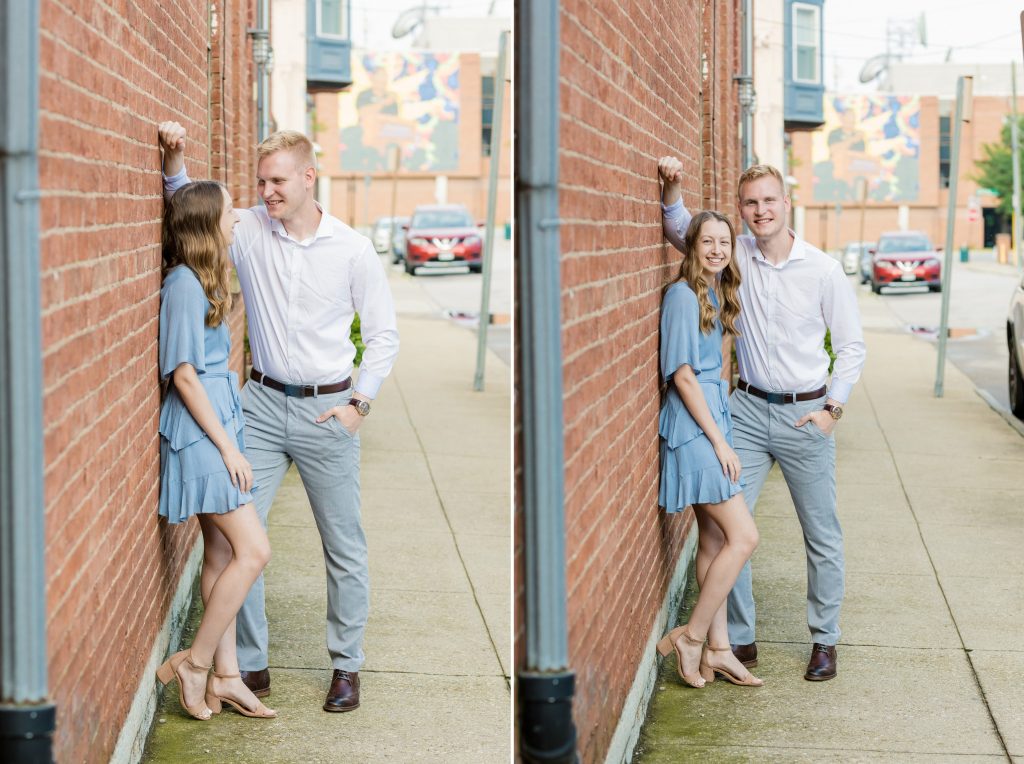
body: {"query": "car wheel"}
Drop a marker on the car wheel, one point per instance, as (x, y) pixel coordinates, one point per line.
(1015, 383)
(410, 268)
(476, 268)
(876, 288)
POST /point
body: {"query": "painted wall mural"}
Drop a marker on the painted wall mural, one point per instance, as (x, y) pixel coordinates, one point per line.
(875, 137)
(403, 101)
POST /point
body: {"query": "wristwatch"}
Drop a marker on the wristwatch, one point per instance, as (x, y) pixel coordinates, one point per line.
(835, 411)
(363, 407)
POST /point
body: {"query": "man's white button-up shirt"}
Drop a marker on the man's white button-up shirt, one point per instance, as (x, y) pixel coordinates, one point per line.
(785, 310)
(301, 297)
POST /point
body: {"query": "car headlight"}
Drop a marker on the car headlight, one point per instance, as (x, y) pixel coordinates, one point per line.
(471, 241)
(418, 241)
(931, 263)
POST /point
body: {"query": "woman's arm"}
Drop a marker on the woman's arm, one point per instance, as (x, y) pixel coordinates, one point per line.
(193, 394)
(693, 398)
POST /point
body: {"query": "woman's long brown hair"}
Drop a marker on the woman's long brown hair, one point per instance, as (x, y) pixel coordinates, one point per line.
(728, 281)
(192, 237)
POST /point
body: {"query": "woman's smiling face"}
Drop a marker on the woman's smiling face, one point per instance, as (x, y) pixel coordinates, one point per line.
(714, 247)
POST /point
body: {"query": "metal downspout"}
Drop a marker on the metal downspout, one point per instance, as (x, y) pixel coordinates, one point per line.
(747, 95)
(261, 53)
(27, 717)
(545, 685)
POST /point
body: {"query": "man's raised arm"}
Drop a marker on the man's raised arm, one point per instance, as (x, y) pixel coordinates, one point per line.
(674, 216)
(172, 142)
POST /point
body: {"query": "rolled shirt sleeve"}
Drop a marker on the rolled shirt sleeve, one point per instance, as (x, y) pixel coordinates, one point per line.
(675, 219)
(173, 182)
(839, 307)
(378, 326)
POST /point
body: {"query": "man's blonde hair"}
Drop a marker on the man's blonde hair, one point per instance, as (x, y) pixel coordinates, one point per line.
(756, 172)
(288, 140)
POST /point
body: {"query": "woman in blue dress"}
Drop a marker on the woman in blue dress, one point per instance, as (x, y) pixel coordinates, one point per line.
(698, 465)
(203, 470)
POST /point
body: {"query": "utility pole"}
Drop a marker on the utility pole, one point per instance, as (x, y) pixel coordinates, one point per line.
(492, 200)
(1015, 144)
(964, 89)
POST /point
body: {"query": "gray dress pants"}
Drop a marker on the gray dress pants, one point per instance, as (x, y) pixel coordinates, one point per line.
(763, 433)
(280, 430)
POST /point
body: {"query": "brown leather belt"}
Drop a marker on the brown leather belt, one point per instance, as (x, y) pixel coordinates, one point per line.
(299, 391)
(781, 397)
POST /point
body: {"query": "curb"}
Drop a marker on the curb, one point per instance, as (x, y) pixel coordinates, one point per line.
(1011, 420)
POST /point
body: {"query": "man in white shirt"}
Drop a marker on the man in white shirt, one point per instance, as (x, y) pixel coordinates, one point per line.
(304, 274)
(790, 295)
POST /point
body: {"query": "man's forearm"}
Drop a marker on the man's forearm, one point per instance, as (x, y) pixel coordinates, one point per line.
(671, 192)
(174, 161)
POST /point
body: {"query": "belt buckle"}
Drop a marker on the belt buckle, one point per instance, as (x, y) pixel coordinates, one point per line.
(295, 391)
(778, 397)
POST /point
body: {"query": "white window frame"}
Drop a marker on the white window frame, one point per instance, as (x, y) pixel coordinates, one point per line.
(320, 27)
(817, 45)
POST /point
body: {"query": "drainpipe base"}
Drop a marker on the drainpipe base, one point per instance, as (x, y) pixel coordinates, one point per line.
(26, 733)
(547, 732)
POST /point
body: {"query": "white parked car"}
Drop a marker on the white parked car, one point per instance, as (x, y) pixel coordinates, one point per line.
(852, 254)
(1015, 343)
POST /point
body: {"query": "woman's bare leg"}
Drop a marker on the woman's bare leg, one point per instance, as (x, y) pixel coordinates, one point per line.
(710, 541)
(250, 552)
(740, 539)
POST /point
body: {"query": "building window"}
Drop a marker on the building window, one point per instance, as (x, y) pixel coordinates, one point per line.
(944, 145)
(331, 18)
(486, 112)
(806, 43)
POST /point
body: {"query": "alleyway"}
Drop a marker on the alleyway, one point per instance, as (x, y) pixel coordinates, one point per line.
(930, 664)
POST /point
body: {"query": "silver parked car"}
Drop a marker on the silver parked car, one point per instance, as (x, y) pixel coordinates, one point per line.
(852, 253)
(381, 234)
(1015, 343)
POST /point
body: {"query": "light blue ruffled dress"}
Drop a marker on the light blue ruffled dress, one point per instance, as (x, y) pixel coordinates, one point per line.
(690, 471)
(193, 478)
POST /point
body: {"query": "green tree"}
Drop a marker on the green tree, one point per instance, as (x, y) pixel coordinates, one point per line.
(995, 169)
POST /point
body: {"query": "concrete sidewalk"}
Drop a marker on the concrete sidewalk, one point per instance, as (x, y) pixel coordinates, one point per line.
(436, 488)
(931, 666)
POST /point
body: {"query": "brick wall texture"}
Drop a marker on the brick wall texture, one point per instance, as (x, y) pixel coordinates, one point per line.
(109, 73)
(639, 79)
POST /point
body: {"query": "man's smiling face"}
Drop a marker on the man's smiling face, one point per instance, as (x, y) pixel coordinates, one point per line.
(764, 206)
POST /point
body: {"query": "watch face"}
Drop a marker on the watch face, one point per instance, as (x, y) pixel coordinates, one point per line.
(836, 412)
(361, 406)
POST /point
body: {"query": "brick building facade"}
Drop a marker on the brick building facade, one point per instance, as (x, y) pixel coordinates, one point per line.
(109, 73)
(629, 94)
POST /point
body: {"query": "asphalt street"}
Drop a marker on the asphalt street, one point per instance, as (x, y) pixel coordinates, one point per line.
(981, 291)
(456, 293)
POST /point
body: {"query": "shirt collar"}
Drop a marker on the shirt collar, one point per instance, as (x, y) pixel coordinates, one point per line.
(323, 231)
(797, 252)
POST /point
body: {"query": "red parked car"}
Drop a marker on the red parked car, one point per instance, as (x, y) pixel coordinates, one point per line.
(905, 258)
(441, 235)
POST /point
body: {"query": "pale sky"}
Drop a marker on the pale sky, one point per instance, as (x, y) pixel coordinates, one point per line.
(372, 20)
(979, 31)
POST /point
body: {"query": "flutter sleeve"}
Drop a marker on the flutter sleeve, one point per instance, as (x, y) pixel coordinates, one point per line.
(680, 330)
(183, 307)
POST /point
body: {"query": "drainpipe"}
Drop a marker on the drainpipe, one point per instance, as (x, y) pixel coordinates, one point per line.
(545, 685)
(745, 79)
(27, 717)
(263, 55)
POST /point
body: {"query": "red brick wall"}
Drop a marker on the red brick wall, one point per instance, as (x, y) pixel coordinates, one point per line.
(108, 75)
(631, 91)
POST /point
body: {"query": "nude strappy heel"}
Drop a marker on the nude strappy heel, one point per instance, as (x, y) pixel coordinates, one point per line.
(168, 672)
(706, 669)
(213, 700)
(670, 642)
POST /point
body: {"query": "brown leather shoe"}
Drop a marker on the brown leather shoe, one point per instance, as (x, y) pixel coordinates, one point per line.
(257, 681)
(746, 654)
(344, 692)
(822, 665)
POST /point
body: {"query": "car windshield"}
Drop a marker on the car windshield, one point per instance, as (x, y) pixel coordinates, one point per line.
(904, 244)
(383, 223)
(441, 219)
